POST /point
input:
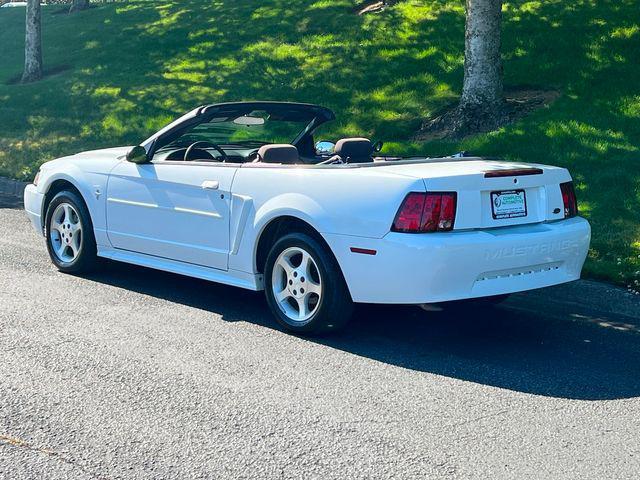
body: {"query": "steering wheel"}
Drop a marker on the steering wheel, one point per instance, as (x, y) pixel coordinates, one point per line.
(252, 156)
(203, 143)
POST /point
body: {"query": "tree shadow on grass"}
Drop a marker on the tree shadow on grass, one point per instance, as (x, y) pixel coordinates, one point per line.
(140, 64)
(568, 351)
(47, 72)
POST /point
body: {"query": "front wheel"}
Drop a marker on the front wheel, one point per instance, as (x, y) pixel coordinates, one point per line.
(304, 286)
(70, 239)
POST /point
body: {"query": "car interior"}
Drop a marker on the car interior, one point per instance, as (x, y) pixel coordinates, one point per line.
(260, 133)
(347, 150)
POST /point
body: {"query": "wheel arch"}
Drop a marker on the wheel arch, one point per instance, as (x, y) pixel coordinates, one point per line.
(285, 213)
(280, 226)
(56, 186)
(276, 228)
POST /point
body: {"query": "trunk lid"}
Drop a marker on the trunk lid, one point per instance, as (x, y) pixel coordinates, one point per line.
(492, 193)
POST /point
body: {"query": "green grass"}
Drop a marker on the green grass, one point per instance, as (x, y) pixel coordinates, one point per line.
(134, 66)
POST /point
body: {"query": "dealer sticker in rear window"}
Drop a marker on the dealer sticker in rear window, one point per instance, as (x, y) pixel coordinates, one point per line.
(508, 204)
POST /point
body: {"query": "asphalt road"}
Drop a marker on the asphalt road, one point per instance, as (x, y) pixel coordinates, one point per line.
(131, 373)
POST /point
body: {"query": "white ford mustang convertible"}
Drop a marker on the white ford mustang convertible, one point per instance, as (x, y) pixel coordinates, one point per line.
(239, 193)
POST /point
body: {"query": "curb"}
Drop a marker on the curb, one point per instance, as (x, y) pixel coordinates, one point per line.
(12, 188)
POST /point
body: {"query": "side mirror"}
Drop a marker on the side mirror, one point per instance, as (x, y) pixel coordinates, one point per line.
(378, 146)
(325, 147)
(137, 155)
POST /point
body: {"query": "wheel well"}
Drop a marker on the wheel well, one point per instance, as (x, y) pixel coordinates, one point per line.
(278, 227)
(55, 188)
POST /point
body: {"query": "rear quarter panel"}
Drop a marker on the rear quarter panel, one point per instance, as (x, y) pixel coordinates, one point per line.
(359, 202)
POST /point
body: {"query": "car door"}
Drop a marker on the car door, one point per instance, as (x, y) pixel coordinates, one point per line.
(174, 210)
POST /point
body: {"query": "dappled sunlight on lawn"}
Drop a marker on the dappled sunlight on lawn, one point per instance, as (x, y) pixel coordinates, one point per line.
(153, 60)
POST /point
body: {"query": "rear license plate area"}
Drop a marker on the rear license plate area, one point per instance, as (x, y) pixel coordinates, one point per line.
(508, 204)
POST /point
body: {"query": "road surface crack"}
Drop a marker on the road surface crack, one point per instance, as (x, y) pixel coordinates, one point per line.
(19, 443)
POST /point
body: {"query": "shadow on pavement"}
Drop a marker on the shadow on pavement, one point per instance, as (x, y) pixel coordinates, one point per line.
(532, 343)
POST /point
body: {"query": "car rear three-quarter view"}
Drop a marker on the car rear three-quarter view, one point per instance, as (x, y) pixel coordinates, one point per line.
(242, 194)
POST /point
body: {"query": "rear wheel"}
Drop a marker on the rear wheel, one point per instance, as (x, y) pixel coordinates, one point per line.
(69, 233)
(304, 286)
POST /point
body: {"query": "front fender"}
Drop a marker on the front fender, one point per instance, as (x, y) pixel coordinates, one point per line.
(74, 177)
(91, 186)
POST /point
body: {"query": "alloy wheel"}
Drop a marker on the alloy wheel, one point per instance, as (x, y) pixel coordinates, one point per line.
(65, 233)
(296, 284)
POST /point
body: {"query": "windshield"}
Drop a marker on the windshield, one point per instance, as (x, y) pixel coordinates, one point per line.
(254, 128)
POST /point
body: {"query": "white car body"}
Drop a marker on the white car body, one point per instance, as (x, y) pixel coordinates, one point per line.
(205, 220)
(160, 216)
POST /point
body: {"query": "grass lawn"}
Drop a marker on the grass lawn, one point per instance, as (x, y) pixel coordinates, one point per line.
(131, 67)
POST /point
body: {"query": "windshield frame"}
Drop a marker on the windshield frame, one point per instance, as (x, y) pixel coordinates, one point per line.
(317, 115)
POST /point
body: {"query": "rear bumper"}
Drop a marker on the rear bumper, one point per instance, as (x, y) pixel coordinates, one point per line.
(425, 268)
(33, 206)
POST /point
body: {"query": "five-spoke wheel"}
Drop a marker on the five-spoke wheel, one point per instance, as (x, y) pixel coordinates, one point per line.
(296, 284)
(65, 232)
(304, 285)
(70, 239)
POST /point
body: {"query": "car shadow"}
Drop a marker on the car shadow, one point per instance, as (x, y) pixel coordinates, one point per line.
(533, 343)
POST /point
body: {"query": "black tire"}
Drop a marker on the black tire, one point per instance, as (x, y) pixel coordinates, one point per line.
(86, 257)
(333, 308)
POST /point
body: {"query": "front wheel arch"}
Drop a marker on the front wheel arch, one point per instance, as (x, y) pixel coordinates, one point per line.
(85, 259)
(56, 187)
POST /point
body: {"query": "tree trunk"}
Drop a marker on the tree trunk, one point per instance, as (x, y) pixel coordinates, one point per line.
(482, 91)
(78, 5)
(33, 43)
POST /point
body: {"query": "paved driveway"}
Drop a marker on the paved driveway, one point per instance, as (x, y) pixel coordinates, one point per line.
(132, 373)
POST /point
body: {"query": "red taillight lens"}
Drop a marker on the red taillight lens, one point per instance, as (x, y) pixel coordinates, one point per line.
(426, 212)
(447, 212)
(409, 217)
(431, 213)
(569, 199)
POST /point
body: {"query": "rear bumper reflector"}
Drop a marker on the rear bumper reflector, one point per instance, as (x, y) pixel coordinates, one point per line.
(513, 172)
(364, 251)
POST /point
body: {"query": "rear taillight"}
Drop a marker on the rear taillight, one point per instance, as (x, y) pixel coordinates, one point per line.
(426, 212)
(569, 199)
(409, 217)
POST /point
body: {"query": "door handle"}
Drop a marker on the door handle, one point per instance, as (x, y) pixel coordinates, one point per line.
(210, 184)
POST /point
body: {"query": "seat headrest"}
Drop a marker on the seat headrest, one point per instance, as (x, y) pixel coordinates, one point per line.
(356, 149)
(278, 153)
